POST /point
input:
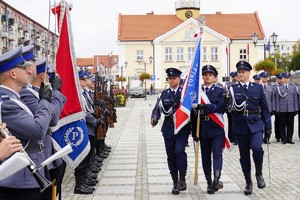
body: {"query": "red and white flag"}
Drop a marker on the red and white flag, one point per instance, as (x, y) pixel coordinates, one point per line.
(71, 128)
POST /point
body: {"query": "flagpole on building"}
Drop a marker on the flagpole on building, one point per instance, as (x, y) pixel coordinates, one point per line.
(201, 22)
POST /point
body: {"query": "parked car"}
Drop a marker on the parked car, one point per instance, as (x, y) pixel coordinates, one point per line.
(137, 92)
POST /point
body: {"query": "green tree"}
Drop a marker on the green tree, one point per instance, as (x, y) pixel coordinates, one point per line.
(144, 76)
(266, 65)
(295, 64)
(120, 78)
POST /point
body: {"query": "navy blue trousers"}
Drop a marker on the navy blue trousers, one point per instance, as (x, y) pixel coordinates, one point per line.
(212, 147)
(251, 141)
(175, 149)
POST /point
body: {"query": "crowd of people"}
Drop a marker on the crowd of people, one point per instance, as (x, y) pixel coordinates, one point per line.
(31, 103)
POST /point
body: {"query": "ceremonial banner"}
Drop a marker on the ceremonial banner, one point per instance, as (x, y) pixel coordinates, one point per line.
(71, 128)
(188, 95)
(193, 94)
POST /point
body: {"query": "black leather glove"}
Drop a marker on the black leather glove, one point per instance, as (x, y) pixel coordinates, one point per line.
(99, 103)
(276, 114)
(268, 133)
(56, 82)
(272, 112)
(196, 139)
(154, 122)
(45, 92)
(201, 107)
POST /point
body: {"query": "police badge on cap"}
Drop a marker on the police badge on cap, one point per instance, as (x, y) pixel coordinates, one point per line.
(243, 65)
(209, 68)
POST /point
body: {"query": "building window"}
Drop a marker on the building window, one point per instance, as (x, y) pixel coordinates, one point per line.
(168, 54)
(179, 53)
(204, 55)
(243, 54)
(214, 53)
(140, 54)
(191, 53)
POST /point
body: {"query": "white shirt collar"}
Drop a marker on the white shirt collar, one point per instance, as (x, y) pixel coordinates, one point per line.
(247, 83)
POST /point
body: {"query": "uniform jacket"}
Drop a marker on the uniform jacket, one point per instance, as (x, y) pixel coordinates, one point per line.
(25, 127)
(255, 99)
(286, 100)
(30, 96)
(208, 128)
(91, 121)
(270, 96)
(168, 103)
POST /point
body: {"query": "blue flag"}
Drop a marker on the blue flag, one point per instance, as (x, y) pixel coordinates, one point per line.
(268, 46)
(190, 90)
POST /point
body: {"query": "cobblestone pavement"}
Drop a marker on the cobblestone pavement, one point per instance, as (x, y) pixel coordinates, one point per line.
(137, 167)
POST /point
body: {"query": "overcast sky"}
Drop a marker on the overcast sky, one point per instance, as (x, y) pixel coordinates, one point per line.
(95, 21)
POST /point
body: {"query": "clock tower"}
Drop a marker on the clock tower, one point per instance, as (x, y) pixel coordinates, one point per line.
(186, 9)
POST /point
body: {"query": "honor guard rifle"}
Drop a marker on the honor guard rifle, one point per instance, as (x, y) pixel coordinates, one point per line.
(99, 110)
(109, 109)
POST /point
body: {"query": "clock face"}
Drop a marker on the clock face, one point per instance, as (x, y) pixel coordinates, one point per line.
(188, 14)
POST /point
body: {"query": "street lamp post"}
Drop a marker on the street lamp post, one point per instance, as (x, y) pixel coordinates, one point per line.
(273, 39)
(283, 62)
(139, 59)
(125, 64)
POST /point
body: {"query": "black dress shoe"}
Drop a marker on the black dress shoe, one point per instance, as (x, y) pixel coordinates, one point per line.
(210, 189)
(248, 189)
(106, 146)
(98, 159)
(90, 182)
(284, 142)
(80, 189)
(291, 142)
(94, 170)
(91, 174)
(260, 182)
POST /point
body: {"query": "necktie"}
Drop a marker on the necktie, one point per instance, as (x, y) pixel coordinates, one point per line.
(174, 92)
(265, 87)
(245, 87)
(286, 86)
(206, 89)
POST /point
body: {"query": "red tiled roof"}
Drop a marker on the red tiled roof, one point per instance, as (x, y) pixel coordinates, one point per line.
(145, 27)
(148, 27)
(84, 62)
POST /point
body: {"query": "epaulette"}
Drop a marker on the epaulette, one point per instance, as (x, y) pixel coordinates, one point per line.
(4, 97)
(218, 85)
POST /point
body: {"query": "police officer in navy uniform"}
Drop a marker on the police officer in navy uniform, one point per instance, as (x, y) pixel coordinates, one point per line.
(250, 117)
(212, 136)
(256, 78)
(29, 95)
(86, 172)
(167, 103)
(286, 101)
(234, 80)
(276, 114)
(269, 92)
(28, 127)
